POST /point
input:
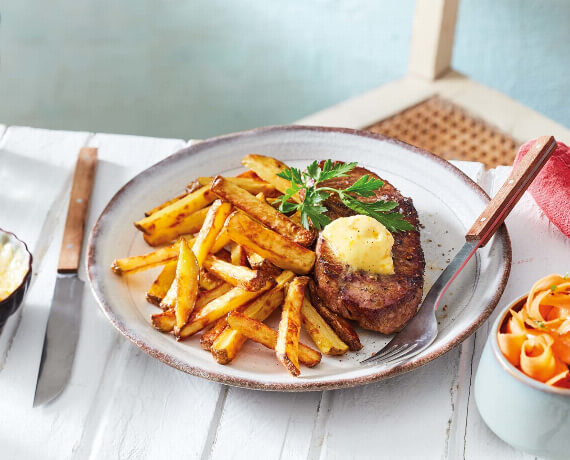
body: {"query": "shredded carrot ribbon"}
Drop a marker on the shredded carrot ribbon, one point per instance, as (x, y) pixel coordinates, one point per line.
(536, 339)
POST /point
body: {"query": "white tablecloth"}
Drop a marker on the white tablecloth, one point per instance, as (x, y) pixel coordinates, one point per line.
(121, 403)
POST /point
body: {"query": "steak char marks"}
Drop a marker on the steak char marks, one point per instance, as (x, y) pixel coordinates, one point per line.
(382, 303)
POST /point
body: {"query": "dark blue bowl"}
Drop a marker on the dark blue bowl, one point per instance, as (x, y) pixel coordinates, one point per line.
(11, 303)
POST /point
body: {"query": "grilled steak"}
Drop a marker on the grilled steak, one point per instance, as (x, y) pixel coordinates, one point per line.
(383, 303)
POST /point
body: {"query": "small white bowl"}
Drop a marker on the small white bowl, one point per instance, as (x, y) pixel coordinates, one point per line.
(528, 414)
(11, 303)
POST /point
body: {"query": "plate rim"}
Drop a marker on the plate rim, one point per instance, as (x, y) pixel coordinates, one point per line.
(293, 386)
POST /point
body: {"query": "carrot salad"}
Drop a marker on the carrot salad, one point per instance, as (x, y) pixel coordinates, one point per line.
(536, 339)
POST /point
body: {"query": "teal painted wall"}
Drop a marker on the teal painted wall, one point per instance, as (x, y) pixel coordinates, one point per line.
(520, 47)
(198, 68)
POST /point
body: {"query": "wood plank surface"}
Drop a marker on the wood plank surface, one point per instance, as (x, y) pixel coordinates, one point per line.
(268, 425)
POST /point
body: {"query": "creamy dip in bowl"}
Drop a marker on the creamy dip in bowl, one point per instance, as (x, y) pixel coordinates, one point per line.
(15, 273)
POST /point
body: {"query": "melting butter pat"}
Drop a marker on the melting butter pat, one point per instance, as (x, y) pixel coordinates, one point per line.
(13, 268)
(361, 242)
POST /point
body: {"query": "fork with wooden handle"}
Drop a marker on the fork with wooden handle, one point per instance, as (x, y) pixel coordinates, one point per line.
(421, 331)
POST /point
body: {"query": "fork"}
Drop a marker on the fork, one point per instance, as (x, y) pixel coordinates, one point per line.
(421, 331)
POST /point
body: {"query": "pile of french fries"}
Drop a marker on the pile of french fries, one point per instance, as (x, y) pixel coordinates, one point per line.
(229, 259)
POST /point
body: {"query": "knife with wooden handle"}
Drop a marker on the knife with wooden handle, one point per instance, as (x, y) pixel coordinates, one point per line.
(64, 319)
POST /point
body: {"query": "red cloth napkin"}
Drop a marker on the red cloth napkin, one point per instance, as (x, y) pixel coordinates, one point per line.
(551, 188)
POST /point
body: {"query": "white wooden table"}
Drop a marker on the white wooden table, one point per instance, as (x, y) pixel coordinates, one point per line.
(121, 403)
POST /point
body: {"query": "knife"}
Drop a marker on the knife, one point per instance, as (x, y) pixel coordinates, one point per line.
(64, 319)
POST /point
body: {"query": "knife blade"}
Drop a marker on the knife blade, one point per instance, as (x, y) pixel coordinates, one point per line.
(62, 331)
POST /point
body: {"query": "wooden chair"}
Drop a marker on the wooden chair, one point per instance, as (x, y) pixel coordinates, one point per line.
(439, 109)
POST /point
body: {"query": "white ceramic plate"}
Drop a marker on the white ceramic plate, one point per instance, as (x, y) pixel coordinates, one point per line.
(447, 202)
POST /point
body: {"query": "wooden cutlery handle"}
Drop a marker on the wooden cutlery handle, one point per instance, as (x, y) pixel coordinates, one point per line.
(509, 194)
(83, 178)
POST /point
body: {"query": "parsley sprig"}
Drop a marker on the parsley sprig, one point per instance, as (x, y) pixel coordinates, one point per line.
(312, 209)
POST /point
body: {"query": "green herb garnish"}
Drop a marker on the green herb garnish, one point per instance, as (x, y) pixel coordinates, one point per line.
(553, 288)
(312, 208)
(540, 324)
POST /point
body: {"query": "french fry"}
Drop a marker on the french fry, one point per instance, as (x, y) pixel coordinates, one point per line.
(277, 249)
(209, 337)
(220, 307)
(287, 347)
(168, 302)
(161, 284)
(177, 211)
(262, 212)
(221, 241)
(296, 217)
(224, 255)
(257, 262)
(187, 225)
(267, 168)
(210, 230)
(165, 204)
(322, 334)
(340, 325)
(193, 186)
(187, 275)
(136, 263)
(209, 280)
(238, 254)
(205, 297)
(229, 260)
(164, 321)
(251, 185)
(228, 343)
(236, 275)
(258, 332)
(249, 174)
